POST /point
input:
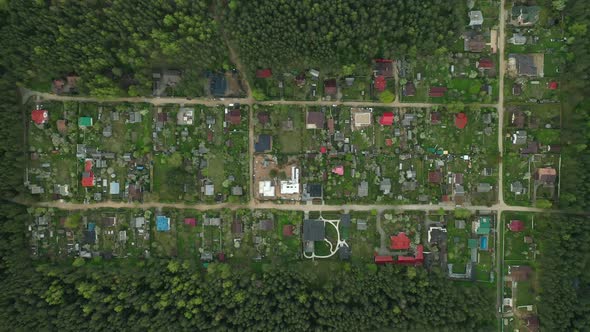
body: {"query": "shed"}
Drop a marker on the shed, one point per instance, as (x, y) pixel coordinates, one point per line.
(264, 73)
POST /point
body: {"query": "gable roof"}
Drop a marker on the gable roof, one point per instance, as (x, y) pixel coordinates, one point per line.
(437, 91)
(384, 67)
(485, 63)
(263, 144)
(330, 86)
(315, 120)
(264, 73)
(85, 121)
(434, 177)
(263, 117)
(386, 119)
(313, 230)
(234, 117)
(380, 83)
(546, 175)
(409, 89)
(190, 221)
(460, 120)
(516, 225)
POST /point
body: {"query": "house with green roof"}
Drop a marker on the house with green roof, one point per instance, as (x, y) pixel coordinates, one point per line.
(85, 121)
(524, 15)
(483, 225)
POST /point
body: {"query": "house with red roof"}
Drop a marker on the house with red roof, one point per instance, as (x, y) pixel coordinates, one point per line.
(323, 149)
(400, 241)
(386, 119)
(484, 63)
(553, 85)
(380, 83)
(264, 73)
(388, 142)
(437, 91)
(460, 120)
(88, 175)
(338, 170)
(516, 225)
(417, 259)
(40, 116)
(190, 222)
(288, 230)
(383, 260)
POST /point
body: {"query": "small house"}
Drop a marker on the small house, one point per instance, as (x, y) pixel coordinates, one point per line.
(409, 89)
(40, 116)
(363, 189)
(519, 137)
(437, 91)
(400, 242)
(85, 121)
(516, 225)
(263, 144)
(330, 87)
(234, 117)
(475, 18)
(314, 120)
(263, 73)
(162, 224)
(460, 120)
(383, 67)
(546, 175)
(386, 119)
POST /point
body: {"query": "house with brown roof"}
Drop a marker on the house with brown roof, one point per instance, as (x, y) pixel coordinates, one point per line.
(435, 177)
(474, 42)
(518, 119)
(437, 91)
(314, 120)
(546, 175)
(409, 89)
(383, 67)
(263, 118)
(330, 87)
(234, 117)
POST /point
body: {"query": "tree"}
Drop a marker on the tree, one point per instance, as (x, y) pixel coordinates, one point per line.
(386, 97)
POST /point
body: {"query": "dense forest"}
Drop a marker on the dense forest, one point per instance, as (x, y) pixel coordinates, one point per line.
(575, 178)
(291, 34)
(112, 45)
(564, 276)
(170, 295)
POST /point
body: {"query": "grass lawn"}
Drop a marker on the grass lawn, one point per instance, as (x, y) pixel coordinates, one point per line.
(161, 171)
(484, 266)
(215, 170)
(525, 294)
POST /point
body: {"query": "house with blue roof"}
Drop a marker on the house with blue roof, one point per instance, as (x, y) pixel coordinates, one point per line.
(115, 188)
(162, 224)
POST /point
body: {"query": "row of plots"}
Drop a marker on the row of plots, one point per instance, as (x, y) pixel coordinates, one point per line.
(87, 152)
